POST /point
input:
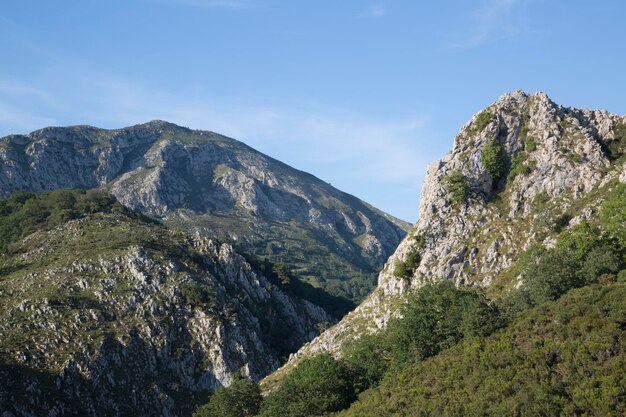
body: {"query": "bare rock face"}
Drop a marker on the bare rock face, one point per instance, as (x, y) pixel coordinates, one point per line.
(146, 326)
(556, 159)
(218, 187)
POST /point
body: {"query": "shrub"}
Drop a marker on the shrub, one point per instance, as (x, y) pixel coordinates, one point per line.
(530, 144)
(613, 214)
(198, 295)
(437, 317)
(617, 146)
(518, 167)
(407, 267)
(457, 187)
(493, 159)
(551, 276)
(482, 120)
(241, 399)
(316, 387)
(369, 358)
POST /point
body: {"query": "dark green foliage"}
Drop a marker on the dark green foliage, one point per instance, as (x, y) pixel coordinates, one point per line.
(316, 387)
(24, 213)
(437, 317)
(281, 275)
(457, 187)
(530, 144)
(198, 295)
(561, 222)
(564, 358)
(518, 167)
(554, 273)
(407, 267)
(494, 159)
(241, 399)
(617, 147)
(482, 120)
(369, 359)
(613, 214)
(579, 240)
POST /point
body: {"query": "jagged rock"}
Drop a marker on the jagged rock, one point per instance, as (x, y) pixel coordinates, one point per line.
(565, 151)
(147, 326)
(215, 185)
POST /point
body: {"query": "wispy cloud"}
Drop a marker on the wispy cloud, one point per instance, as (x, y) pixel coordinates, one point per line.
(496, 20)
(372, 11)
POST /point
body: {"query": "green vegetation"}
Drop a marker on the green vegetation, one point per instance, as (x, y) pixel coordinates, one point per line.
(317, 387)
(198, 295)
(518, 167)
(494, 159)
(457, 187)
(482, 120)
(407, 267)
(563, 358)
(613, 214)
(281, 275)
(548, 347)
(24, 213)
(530, 144)
(617, 147)
(242, 398)
(436, 317)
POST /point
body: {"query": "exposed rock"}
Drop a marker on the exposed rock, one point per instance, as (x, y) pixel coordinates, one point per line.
(217, 186)
(564, 151)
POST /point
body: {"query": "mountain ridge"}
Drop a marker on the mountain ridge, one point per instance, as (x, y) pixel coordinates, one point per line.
(557, 165)
(218, 186)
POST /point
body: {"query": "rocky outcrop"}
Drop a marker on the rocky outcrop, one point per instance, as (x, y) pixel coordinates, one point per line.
(217, 186)
(557, 163)
(110, 316)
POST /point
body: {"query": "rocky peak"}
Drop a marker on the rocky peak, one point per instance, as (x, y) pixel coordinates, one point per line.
(517, 171)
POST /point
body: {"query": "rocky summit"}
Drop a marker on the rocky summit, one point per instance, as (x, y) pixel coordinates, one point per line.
(220, 188)
(519, 172)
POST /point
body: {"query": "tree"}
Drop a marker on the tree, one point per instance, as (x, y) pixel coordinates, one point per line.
(553, 274)
(493, 159)
(457, 186)
(316, 387)
(437, 317)
(241, 399)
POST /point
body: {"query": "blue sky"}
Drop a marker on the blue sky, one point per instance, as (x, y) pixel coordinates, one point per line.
(363, 94)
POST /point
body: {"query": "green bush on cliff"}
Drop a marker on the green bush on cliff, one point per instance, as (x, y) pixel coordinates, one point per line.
(493, 159)
(457, 186)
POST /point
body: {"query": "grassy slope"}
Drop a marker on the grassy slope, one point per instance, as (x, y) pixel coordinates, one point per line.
(566, 357)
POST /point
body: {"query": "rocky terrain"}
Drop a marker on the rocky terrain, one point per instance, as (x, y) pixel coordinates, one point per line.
(518, 173)
(219, 187)
(113, 314)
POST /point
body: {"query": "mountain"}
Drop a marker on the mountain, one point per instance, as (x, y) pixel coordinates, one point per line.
(566, 358)
(219, 187)
(104, 311)
(519, 173)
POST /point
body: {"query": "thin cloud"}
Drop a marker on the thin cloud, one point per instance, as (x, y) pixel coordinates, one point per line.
(373, 11)
(495, 21)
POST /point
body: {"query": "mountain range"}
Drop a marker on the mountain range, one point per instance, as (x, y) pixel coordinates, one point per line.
(180, 259)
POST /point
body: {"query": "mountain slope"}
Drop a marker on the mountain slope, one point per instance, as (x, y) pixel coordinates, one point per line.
(219, 187)
(519, 172)
(567, 357)
(106, 312)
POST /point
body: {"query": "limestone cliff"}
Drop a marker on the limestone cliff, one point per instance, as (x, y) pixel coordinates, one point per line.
(113, 315)
(556, 164)
(219, 187)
